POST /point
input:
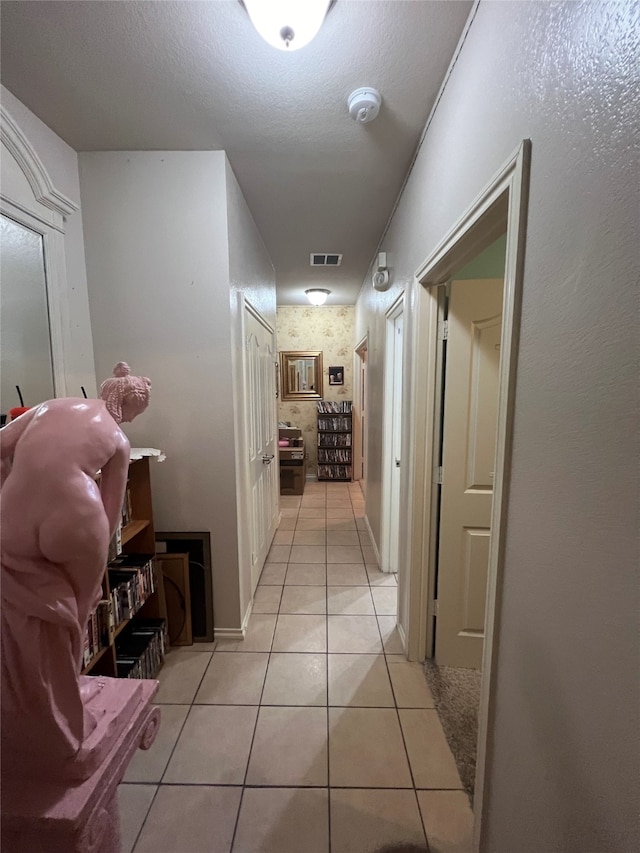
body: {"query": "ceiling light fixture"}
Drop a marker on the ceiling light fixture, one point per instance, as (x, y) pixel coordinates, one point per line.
(287, 24)
(317, 295)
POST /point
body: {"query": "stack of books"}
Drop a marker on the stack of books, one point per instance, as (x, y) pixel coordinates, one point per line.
(99, 630)
(140, 649)
(126, 517)
(132, 581)
(329, 407)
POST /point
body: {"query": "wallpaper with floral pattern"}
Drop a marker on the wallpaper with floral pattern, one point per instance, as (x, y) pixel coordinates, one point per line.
(329, 329)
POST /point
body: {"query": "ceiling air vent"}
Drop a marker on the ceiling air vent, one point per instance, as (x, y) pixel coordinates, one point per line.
(321, 259)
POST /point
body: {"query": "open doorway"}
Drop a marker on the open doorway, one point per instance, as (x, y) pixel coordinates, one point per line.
(466, 414)
(500, 209)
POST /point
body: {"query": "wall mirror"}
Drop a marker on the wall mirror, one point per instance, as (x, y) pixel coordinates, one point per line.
(301, 375)
(34, 325)
(25, 342)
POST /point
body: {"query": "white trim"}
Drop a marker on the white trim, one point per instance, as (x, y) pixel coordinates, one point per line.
(229, 634)
(247, 616)
(32, 167)
(49, 223)
(503, 202)
(436, 439)
(403, 638)
(396, 310)
(363, 344)
(419, 405)
(373, 541)
(358, 459)
(235, 633)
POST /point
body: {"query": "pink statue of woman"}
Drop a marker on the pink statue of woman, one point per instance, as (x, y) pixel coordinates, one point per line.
(56, 527)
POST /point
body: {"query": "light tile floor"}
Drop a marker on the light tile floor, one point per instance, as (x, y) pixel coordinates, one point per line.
(314, 735)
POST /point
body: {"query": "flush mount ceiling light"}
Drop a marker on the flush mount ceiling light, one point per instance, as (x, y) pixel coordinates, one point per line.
(287, 24)
(317, 295)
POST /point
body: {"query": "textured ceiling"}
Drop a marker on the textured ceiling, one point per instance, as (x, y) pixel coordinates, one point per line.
(195, 75)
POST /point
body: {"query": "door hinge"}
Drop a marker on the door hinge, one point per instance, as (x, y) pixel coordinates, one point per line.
(443, 330)
(438, 476)
(436, 604)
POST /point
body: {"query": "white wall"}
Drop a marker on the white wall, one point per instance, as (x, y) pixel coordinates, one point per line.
(159, 271)
(563, 748)
(61, 162)
(251, 277)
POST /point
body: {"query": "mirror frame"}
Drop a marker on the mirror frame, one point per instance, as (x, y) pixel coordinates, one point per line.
(29, 197)
(287, 395)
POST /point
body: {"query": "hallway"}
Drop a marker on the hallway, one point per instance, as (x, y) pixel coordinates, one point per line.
(314, 735)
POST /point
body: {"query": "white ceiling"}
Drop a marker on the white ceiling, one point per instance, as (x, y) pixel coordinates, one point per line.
(195, 75)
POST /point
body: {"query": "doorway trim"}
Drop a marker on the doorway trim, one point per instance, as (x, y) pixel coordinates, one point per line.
(396, 310)
(503, 201)
(359, 437)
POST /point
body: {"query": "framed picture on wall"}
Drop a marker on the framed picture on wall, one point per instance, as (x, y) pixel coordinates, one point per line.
(336, 376)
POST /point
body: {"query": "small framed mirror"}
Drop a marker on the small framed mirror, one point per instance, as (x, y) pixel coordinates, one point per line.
(301, 375)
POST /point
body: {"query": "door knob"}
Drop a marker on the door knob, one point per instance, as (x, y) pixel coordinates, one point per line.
(266, 459)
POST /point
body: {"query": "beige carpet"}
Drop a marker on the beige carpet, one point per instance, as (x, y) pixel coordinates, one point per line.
(456, 693)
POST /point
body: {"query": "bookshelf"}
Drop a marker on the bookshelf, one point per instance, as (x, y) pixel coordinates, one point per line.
(335, 440)
(127, 635)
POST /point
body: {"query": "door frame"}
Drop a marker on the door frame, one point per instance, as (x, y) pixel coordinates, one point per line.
(359, 439)
(396, 310)
(503, 201)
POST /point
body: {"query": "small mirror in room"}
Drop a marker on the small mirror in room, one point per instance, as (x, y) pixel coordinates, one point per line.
(301, 375)
(25, 348)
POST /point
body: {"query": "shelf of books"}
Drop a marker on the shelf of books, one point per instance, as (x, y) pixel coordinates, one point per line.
(334, 440)
(127, 634)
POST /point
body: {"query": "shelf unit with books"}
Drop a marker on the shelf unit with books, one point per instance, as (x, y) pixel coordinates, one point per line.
(334, 440)
(127, 635)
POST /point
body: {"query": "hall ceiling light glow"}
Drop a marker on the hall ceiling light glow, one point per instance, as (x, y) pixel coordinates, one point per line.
(287, 24)
(317, 295)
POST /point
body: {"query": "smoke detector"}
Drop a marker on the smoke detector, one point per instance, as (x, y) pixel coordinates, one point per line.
(364, 105)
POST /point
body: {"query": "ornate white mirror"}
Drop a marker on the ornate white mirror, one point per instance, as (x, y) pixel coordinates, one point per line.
(33, 320)
(25, 341)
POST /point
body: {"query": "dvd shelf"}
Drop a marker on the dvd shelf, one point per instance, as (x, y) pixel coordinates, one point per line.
(140, 650)
(133, 609)
(334, 440)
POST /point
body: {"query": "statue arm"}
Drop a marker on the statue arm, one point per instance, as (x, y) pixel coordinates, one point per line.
(9, 437)
(113, 482)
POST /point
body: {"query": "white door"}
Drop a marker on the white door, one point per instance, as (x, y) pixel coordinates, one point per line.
(469, 439)
(260, 379)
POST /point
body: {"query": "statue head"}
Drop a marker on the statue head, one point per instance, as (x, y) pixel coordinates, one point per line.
(125, 396)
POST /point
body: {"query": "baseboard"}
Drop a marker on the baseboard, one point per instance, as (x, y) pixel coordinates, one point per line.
(228, 634)
(235, 633)
(373, 541)
(403, 638)
(247, 616)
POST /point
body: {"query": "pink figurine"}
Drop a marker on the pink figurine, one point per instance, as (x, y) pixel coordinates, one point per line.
(56, 527)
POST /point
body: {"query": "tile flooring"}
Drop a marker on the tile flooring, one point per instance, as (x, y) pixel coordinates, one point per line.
(314, 735)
